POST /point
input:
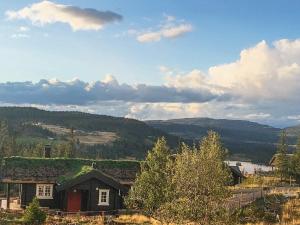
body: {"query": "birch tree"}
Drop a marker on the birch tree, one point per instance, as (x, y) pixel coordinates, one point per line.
(199, 182)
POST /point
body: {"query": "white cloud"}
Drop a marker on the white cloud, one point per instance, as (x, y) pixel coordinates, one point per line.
(170, 28)
(149, 111)
(75, 91)
(149, 37)
(266, 79)
(17, 36)
(294, 117)
(262, 85)
(257, 116)
(176, 31)
(47, 12)
(169, 18)
(263, 71)
(194, 79)
(24, 29)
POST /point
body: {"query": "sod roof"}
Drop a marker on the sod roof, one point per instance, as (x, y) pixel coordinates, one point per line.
(60, 170)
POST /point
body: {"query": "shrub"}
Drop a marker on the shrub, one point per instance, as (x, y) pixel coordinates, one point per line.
(262, 210)
(33, 215)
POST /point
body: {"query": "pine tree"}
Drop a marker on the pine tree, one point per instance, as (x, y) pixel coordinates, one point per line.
(149, 190)
(37, 151)
(7, 144)
(71, 148)
(295, 164)
(198, 182)
(281, 161)
(33, 215)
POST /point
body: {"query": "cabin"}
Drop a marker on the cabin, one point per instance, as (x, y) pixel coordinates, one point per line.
(70, 185)
(74, 185)
(237, 175)
(273, 160)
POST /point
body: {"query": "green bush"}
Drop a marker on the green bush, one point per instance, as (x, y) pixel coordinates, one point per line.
(262, 210)
(33, 215)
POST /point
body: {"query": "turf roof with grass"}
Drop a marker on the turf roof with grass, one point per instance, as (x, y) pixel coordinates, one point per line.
(64, 169)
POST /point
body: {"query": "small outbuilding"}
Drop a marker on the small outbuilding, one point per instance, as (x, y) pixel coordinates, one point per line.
(272, 162)
(237, 175)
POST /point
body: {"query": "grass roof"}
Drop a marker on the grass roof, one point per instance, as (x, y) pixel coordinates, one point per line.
(69, 168)
(69, 163)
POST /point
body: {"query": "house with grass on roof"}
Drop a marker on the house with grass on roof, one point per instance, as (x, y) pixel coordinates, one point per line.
(70, 185)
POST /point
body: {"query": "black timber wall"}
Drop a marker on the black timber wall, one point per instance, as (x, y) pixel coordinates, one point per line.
(91, 185)
(29, 192)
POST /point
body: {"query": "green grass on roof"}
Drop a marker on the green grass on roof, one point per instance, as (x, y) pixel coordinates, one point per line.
(72, 167)
(67, 163)
(74, 174)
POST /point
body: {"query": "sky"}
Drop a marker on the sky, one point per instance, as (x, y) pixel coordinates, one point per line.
(159, 59)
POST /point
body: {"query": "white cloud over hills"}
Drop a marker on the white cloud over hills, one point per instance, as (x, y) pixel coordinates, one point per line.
(83, 93)
(47, 12)
(262, 85)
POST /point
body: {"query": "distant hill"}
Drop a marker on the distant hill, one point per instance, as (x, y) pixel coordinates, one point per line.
(293, 131)
(245, 140)
(116, 137)
(122, 137)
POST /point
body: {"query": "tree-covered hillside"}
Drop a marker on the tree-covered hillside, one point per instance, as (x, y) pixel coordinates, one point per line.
(26, 129)
(134, 137)
(244, 139)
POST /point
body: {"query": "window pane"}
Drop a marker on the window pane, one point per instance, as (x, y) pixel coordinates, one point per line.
(48, 191)
(103, 196)
(41, 190)
(44, 191)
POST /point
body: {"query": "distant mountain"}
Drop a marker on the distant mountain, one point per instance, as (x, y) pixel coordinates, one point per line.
(245, 140)
(117, 137)
(293, 131)
(122, 137)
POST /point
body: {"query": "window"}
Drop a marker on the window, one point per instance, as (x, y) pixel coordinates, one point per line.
(44, 191)
(103, 197)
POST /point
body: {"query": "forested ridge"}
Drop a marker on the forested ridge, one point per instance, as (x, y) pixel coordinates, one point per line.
(20, 136)
(246, 140)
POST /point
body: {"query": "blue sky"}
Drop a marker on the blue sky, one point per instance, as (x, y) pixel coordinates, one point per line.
(211, 34)
(221, 30)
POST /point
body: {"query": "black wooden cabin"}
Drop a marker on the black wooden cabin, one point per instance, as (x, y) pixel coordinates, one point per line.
(70, 185)
(93, 191)
(75, 185)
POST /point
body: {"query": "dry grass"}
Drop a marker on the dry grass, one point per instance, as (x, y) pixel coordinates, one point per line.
(254, 181)
(88, 138)
(290, 215)
(75, 220)
(136, 219)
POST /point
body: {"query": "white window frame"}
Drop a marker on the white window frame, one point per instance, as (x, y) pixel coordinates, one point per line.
(100, 196)
(43, 187)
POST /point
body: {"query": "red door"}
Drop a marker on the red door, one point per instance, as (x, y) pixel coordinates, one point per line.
(74, 201)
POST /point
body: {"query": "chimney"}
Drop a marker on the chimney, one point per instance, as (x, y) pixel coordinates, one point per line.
(47, 151)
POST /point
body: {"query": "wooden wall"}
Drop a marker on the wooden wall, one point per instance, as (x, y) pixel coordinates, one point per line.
(115, 201)
(29, 192)
(88, 188)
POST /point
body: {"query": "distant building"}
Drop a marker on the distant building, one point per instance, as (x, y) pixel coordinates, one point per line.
(237, 175)
(272, 162)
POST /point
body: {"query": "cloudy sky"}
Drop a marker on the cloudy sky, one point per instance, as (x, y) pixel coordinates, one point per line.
(154, 59)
